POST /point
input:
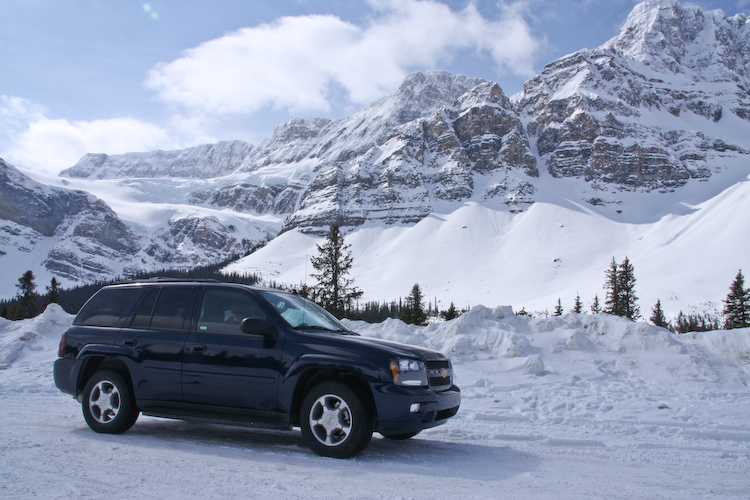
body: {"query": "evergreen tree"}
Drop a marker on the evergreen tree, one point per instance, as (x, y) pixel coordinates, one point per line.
(26, 295)
(413, 311)
(611, 285)
(578, 305)
(620, 285)
(737, 304)
(335, 291)
(657, 315)
(558, 308)
(53, 291)
(450, 313)
(595, 307)
(626, 285)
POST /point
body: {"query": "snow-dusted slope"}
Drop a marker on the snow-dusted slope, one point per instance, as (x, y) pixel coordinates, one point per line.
(570, 408)
(478, 255)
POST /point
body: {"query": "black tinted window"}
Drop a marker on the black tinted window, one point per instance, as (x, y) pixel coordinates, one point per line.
(106, 307)
(142, 318)
(171, 307)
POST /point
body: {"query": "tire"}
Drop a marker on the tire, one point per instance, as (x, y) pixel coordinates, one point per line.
(108, 405)
(402, 437)
(335, 422)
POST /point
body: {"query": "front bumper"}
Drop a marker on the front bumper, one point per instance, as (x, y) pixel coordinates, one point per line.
(396, 408)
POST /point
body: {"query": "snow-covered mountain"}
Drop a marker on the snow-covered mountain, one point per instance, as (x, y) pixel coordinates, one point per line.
(603, 154)
(663, 103)
(76, 237)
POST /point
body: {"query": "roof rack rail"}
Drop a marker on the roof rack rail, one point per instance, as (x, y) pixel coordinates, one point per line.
(164, 279)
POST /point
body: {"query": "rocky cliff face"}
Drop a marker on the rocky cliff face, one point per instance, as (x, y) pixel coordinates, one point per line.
(623, 115)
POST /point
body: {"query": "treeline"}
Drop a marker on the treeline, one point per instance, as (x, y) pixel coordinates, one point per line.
(621, 300)
(410, 309)
(28, 303)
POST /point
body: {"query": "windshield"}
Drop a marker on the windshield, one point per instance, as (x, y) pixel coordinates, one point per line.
(302, 314)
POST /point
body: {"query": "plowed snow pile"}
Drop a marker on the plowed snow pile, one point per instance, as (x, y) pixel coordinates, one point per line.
(577, 406)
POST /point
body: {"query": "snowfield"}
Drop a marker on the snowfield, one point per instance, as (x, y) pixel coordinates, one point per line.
(571, 407)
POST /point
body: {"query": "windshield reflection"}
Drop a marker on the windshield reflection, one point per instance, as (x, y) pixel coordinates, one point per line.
(303, 314)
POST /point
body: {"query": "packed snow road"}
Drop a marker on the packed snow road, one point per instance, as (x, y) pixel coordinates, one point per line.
(574, 407)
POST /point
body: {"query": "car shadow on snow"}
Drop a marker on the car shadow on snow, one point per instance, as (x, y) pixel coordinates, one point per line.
(418, 456)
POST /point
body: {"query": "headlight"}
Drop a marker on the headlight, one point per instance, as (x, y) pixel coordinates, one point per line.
(409, 372)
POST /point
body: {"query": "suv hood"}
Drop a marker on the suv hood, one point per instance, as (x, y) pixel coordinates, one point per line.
(396, 349)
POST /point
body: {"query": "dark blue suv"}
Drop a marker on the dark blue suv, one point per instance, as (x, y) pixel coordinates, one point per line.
(234, 354)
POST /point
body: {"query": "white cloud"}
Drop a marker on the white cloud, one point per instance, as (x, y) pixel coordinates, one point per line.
(33, 141)
(293, 63)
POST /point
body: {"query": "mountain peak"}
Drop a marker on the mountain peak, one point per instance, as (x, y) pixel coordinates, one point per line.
(676, 38)
(424, 93)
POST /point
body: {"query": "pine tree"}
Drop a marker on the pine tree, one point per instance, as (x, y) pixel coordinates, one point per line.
(413, 311)
(578, 305)
(595, 307)
(626, 285)
(737, 304)
(335, 291)
(26, 295)
(657, 315)
(450, 313)
(611, 285)
(620, 285)
(558, 308)
(53, 291)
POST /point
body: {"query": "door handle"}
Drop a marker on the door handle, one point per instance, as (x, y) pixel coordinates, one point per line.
(129, 341)
(199, 348)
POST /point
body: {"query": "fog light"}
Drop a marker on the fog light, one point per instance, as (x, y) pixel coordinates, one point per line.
(415, 407)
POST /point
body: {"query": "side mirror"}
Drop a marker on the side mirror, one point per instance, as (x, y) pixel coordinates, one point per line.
(257, 326)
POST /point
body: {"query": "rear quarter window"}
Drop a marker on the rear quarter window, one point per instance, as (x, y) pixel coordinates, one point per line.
(106, 307)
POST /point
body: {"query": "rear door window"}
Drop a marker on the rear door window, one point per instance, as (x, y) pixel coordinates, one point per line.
(170, 309)
(106, 307)
(163, 309)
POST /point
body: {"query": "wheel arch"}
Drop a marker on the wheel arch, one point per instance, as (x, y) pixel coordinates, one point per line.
(313, 376)
(95, 363)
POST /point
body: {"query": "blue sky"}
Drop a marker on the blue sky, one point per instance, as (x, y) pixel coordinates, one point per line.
(111, 76)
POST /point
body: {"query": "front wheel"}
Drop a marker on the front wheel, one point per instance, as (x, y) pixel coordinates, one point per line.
(108, 406)
(335, 422)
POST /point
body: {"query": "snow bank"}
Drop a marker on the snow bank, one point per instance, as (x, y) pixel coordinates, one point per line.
(28, 349)
(595, 346)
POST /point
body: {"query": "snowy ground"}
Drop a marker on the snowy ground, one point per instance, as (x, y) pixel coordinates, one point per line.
(574, 407)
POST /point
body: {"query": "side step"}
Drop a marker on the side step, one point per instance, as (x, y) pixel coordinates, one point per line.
(223, 419)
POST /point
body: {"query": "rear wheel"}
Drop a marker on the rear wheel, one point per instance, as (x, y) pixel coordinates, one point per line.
(334, 420)
(108, 405)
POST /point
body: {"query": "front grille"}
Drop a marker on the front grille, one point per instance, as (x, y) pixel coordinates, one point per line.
(440, 374)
